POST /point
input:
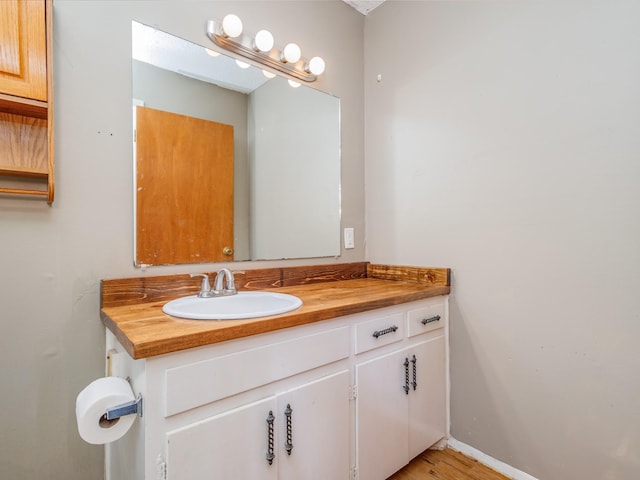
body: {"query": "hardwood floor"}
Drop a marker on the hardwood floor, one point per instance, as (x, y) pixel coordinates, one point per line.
(446, 464)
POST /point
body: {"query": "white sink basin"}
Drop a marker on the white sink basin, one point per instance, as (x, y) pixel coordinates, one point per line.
(232, 307)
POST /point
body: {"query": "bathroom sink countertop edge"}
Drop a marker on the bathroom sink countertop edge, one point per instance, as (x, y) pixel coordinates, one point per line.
(145, 331)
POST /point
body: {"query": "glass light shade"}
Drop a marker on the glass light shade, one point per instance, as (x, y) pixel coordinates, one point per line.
(293, 83)
(232, 26)
(213, 53)
(268, 74)
(242, 64)
(291, 53)
(316, 66)
(263, 41)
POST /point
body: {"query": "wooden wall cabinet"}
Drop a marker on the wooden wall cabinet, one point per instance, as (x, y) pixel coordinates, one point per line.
(26, 98)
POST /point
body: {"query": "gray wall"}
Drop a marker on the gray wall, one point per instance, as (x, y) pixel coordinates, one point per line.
(52, 258)
(295, 170)
(504, 141)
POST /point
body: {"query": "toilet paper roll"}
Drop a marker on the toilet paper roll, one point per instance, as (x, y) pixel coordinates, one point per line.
(91, 410)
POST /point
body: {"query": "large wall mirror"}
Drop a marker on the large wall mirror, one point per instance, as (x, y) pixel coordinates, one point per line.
(230, 162)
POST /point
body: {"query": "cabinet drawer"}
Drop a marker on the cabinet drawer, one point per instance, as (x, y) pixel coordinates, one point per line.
(427, 318)
(199, 383)
(378, 332)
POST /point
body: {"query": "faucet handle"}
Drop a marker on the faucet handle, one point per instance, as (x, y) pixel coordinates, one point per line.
(205, 287)
(231, 282)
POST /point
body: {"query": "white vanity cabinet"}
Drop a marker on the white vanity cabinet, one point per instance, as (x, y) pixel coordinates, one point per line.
(317, 430)
(270, 406)
(320, 401)
(289, 436)
(401, 405)
(229, 445)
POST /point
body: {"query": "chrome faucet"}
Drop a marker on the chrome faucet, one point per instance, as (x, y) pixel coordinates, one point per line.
(205, 287)
(225, 276)
(223, 285)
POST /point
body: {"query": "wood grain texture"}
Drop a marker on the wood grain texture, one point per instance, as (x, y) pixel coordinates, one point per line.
(26, 105)
(425, 275)
(23, 56)
(446, 464)
(50, 103)
(23, 144)
(24, 191)
(179, 220)
(145, 331)
(10, 38)
(323, 273)
(23, 106)
(132, 291)
(132, 307)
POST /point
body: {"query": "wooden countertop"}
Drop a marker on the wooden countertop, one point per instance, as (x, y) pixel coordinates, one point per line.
(145, 331)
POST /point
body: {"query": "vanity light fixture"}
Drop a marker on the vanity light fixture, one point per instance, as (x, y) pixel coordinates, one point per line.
(260, 49)
(316, 66)
(291, 53)
(231, 26)
(263, 41)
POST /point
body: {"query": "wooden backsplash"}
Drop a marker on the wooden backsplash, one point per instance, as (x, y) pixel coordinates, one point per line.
(131, 291)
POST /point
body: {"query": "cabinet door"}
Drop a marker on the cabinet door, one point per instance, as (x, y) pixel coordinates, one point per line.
(232, 445)
(313, 425)
(427, 397)
(23, 58)
(381, 416)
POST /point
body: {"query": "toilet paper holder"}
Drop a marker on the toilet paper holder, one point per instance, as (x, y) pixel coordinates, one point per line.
(128, 408)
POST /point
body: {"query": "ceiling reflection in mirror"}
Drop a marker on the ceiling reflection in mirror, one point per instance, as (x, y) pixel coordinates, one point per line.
(284, 198)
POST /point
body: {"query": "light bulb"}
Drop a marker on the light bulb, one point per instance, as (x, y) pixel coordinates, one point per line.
(316, 66)
(213, 53)
(294, 84)
(263, 41)
(291, 53)
(242, 64)
(268, 74)
(232, 26)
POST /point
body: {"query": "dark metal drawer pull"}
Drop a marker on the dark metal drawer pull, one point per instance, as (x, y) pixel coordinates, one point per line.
(414, 360)
(289, 443)
(430, 319)
(270, 454)
(406, 376)
(379, 333)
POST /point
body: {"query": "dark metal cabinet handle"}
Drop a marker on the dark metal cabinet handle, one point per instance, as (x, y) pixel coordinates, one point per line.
(289, 443)
(270, 454)
(414, 360)
(379, 333)
(406, 376)
(435, 318)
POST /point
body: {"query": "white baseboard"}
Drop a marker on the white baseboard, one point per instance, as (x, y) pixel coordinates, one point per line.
(491, 462)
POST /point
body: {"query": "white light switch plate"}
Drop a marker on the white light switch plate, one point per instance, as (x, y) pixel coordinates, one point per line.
(349, 239)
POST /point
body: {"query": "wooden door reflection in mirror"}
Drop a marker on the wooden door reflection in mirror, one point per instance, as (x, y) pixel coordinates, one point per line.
(174, 219)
